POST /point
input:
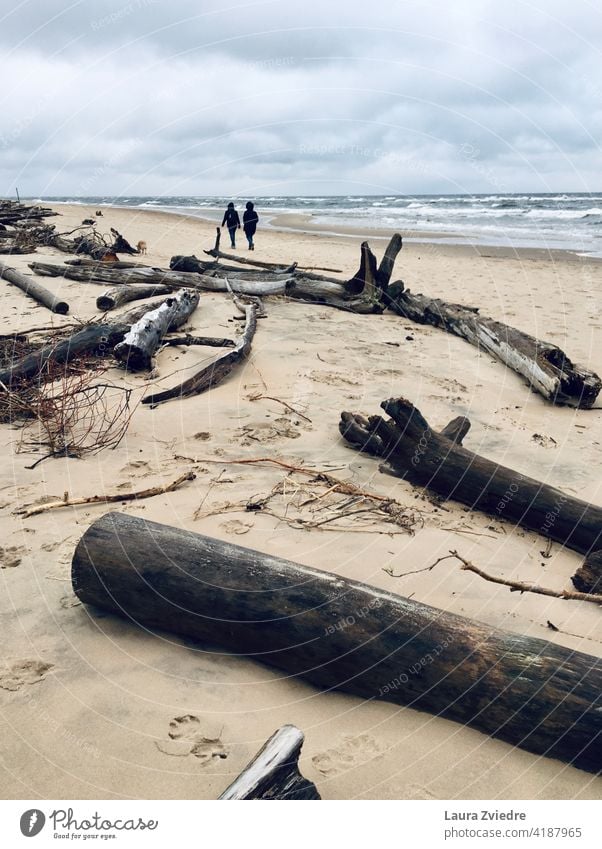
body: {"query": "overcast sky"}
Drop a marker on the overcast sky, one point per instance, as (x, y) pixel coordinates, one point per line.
(287, 97)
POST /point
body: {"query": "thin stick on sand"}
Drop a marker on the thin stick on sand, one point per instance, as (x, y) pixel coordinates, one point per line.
(107, 499)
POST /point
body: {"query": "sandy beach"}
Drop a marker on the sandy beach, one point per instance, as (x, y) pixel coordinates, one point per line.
(93, 707)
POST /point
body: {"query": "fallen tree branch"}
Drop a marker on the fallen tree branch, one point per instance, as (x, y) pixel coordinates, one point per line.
(340, 634)
(274, 771)
(429, 459)
(26, 512)
(216, 371)
(32, 288)
(137, 347)
(209, 341)
(546, 368)
(524, 586)
(118, 295)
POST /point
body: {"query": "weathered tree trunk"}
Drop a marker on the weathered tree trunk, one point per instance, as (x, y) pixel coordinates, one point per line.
(588, 577)
(98, 339)
(113, 298)
(343, 635)
(105, 273)
(430, 459)
(34, 290)
(274, 771)
(143, 338)
(216, 371)
(546, 368)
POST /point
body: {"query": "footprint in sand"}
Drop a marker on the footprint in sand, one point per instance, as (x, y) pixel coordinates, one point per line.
(353, 751)
(22, 672)
(10, 557)
(235, 526)
(186, 738)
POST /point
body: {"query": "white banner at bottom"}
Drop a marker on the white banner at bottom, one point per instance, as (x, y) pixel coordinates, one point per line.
(311, 825)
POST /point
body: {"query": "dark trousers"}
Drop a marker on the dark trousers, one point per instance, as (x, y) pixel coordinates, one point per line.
(232, 231)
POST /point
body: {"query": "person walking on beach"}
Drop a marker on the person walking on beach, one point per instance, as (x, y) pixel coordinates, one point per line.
(232, 221)
(250, 219)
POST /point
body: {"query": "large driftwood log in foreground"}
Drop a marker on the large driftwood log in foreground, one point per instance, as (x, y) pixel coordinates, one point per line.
(143, 338)
(427, 458)
(546, 367)
(32, 288)
(274, 771)
(216, 371)
(343, 635)
(97, 339)
(113, 298)
(588, 577)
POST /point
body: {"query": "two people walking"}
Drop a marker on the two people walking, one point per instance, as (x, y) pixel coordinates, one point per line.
(232, 222)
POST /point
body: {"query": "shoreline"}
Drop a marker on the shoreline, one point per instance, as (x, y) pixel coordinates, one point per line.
(296, 222)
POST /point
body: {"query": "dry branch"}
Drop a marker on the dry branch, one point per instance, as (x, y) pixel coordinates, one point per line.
(522, 586)
(34, 290)
(113, 298)
(429, 459)
(107, 499)
(216, 371)
(546, 367)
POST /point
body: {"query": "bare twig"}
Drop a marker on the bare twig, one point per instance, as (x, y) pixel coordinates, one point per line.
(523, 586)
(107, 499)
(288, 406)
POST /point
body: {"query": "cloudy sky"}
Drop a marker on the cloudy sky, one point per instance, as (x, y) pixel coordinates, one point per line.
(281, 97)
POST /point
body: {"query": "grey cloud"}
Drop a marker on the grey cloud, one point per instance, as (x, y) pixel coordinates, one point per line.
(181, 98)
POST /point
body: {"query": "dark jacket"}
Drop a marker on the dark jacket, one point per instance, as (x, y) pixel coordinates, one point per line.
(231, 219)
(250, 219)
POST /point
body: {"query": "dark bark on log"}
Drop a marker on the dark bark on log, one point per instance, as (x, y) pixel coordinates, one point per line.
(216, 371)
(96, 339)
(344, 635)
(546, 367)
(588, 577)
(385, 269)
(427, 458)
(113, 298)
(138, 346)
(32, 288)
(274, 771)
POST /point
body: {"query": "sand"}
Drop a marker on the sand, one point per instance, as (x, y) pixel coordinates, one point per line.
(88, 702)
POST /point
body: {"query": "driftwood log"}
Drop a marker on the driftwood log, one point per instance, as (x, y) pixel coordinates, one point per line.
(430, 459)
(119, 295)
(588, 577)
(137, 347)
(546, 368)
(97, 339)
(216, 371)
(106, 273)
(274, 771)
(343, 635)
(32, 288)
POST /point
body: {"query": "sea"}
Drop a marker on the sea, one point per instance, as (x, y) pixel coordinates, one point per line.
(569, 221)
